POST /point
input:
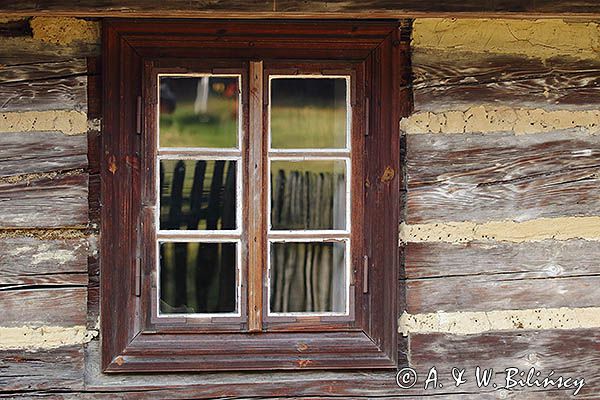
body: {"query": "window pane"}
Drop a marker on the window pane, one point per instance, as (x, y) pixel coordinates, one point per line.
(308, 277)
(197, 277)
(198, 195)
(308, 113)
(308, 195)
(199, 111)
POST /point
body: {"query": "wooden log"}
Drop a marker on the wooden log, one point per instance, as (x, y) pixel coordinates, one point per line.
(44, 86)
(18, 51)
(569, 353)
(39, 307)
(458, 80)
(48, 370)
(494, 276)
(502, 176)
(37, 152)
(239, 8)
(500, 292)
(30, 261)
(51, 202)
(531, 260)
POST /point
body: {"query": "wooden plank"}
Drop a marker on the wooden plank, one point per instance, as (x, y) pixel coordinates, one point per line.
(569, 353)
(30, 261)
(489, 276)
(38, 307)
(500, 292)
(459, 80)
(37, 152)
(26, 372)
(316, 9)
(23, 50)
(530, 260)
(48, 202)
(502, 176)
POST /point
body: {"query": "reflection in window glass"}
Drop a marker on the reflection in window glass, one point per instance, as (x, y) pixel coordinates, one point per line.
(198, 195)
(308, 195)
(308, 113)
(197, 277)
(199, 111)
(308, 277)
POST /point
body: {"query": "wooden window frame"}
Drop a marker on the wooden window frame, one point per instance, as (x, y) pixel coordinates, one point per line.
(131, 341)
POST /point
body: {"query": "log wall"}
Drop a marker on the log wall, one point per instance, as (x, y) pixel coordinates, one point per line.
(499, 241)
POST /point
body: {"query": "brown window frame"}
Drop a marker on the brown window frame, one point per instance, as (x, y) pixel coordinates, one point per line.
(134, 51)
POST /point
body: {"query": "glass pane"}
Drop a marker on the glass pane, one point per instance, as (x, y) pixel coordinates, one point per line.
(308, 113)
(308, 277)
(308, 195)
(198, 111)
(198, 195)
(197, 278)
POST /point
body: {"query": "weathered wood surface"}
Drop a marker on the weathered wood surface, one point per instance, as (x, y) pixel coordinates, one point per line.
(39, 307)
(26, 261)
(233, 8)
(569, 353)
(502, 176)
(531, 260)
(495, 276)
(37, 152)
(44, 86)
(15, 51)
(457, 80)
(48, 202)
(41, 372)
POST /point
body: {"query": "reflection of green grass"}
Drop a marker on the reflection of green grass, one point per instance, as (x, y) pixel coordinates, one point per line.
(292, 127)
(308, 127)
(216, 128)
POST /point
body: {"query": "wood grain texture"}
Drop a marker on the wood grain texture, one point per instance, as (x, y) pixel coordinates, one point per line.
(569, 353)
(458, 80)
(239, 8)
(502, 176)
(60, 369)
(44, 86)
(501, 276)
(26, 261)
(21, 50)
(48, 202)
(38, 152)
(38, 307)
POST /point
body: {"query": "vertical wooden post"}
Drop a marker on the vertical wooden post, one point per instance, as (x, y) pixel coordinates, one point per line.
(256, 204)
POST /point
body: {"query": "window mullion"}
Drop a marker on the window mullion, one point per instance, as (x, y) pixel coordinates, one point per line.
(256, 198)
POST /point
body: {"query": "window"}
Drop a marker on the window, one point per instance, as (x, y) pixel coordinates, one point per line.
(250, 195)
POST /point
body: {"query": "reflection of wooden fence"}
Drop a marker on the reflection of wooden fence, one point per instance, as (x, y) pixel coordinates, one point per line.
(212, 265)
(305, 277)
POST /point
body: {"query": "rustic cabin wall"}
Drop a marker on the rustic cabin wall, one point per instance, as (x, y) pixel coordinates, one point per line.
(502, 213)
(499, 239)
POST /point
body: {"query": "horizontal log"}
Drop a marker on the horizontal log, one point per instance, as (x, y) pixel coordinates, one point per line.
(44, 86)
(500, 292)
(37, 152)
(457, 81)
(39, 307)
(23, 50)
(48, 202)
(26, 261)
(573, 354)
(404, 8)
(529, 260)
(55, 370)
(502, 176)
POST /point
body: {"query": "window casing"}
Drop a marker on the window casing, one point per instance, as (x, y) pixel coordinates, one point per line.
(360, 331)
